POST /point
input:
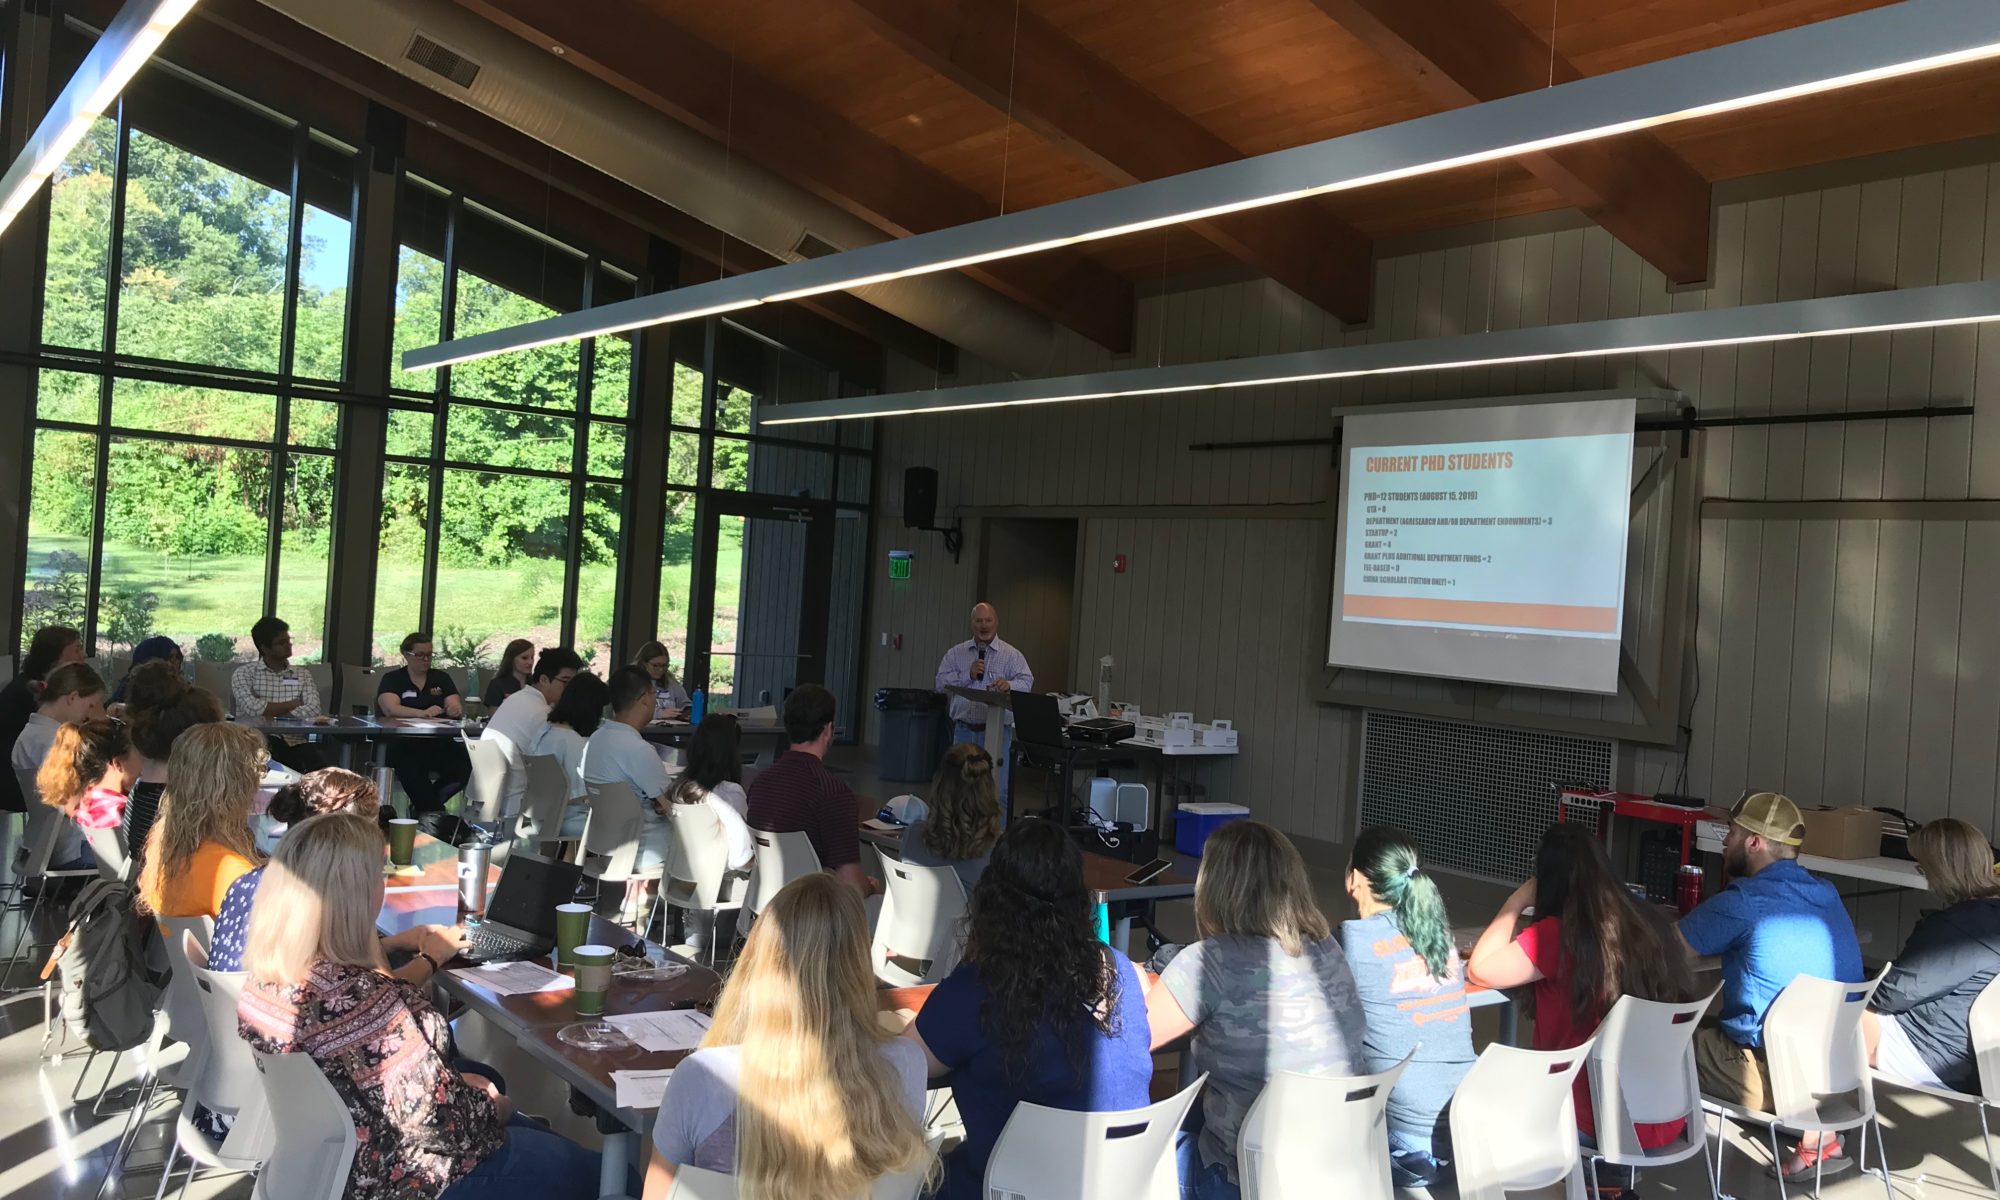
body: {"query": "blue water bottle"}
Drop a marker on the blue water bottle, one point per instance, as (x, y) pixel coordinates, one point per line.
(697, 705)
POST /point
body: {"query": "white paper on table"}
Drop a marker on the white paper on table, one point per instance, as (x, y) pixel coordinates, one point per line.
(676, 1029)
(641, 1089)
(515, 978)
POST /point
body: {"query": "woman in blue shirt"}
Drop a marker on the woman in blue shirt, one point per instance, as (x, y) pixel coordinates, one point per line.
(1038, 1009)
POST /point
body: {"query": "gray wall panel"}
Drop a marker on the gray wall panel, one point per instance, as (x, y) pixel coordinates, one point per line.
(1847, 661)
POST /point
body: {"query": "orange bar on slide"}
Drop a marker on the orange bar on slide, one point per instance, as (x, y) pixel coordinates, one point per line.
(1567, 618)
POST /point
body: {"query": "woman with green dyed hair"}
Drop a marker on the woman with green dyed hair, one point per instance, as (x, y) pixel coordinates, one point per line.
(1413, 991)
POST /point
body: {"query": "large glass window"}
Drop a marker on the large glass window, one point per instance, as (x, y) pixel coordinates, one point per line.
(522, 508)
(192, 386)
(195, 323)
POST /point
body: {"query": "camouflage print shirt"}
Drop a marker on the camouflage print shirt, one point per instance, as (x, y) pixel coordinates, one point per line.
(1258, 1011)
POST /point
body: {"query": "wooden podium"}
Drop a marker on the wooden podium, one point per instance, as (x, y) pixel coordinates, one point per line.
(998, 704)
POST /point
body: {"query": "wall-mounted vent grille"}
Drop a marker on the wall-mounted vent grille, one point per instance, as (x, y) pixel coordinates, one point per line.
(1476, 798)
(811, 246)
(442, 60)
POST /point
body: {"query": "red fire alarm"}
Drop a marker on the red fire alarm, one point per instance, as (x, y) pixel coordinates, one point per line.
(1117, 564)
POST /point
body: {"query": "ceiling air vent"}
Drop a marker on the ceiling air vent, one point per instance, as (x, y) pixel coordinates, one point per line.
(442, 60)
(813, 247)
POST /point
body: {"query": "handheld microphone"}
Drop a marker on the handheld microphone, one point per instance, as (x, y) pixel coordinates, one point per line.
(982, 654)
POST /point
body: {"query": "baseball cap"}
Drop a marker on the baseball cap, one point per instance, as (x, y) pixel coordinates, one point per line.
(1770, 816)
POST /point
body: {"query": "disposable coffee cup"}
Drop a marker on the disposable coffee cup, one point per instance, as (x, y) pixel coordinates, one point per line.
(402, 840)
(593, 978)
(572, 928)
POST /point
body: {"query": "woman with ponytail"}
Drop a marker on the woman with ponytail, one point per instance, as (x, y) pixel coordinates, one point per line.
(1587, 943)
(1413, 990)
(90, 772)
(1265, 990)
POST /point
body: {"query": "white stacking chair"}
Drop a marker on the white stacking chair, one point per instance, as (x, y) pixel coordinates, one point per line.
(356, 690)
(44, 830)
(1311, 1136)
(313, 1142)
(1818, 1069)
(1986, 1054)
(694, 1183)
(1642, 1072)
(781, 858)
(612, 832)
(107, 846)
(917, 936)
(547, 800)
(186, 1023)
(485, 794)
(228, 1083)
(213, 678)
(1513, 1123)
(321, 675)
(1054, 1154)
(696, 875)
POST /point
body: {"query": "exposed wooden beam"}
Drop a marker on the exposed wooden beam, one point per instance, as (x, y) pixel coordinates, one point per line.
(1071, 97)
(662, 65)
(1469, 51)
(267, 57)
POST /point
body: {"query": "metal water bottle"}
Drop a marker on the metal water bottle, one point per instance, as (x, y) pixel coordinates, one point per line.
(697, 706)
(1687, 888)
(473, 860)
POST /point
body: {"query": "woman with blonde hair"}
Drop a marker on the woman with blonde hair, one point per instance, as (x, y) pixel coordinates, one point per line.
(89, 773)
(318, 985)
(1918, 1026)
(964, 817)
(1266, 989)
(797, 1089)
(200, 842)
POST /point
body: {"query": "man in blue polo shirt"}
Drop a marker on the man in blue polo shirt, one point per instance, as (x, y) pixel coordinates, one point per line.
(1773, 923)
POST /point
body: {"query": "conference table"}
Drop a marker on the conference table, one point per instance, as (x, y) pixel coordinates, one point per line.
(1103, 876)
(534, 1021)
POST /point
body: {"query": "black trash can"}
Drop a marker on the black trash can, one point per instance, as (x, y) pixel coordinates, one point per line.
(913, 728)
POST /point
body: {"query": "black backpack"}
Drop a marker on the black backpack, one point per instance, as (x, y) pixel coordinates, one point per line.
(108, 994)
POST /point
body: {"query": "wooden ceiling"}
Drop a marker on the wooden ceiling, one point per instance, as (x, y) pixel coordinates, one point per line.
(920, 114)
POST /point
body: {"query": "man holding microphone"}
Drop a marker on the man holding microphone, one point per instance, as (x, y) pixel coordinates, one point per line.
(989, 663)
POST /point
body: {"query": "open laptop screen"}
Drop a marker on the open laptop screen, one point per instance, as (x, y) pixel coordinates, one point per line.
(530, 888)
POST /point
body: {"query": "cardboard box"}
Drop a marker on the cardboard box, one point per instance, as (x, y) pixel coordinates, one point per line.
(1843, 832)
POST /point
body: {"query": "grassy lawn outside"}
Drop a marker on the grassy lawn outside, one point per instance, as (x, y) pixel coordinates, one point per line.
(225, 594)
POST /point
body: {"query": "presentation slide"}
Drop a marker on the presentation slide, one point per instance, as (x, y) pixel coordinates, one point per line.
(1485, 543)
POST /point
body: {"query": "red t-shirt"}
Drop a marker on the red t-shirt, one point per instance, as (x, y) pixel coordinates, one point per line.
(1556, 1029)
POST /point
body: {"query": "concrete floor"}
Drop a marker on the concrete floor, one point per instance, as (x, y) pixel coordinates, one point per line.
(53, 1148)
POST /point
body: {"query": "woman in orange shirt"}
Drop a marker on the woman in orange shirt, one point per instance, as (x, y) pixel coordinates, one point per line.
(201, 842)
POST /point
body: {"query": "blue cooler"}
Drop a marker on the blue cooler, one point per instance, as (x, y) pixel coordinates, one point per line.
(1194, 822)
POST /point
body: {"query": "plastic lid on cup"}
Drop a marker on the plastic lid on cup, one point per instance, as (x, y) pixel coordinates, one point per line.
(606, 952)
(573, 907)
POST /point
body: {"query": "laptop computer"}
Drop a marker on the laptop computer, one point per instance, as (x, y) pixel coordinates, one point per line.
(1037, 719)
(521, 914)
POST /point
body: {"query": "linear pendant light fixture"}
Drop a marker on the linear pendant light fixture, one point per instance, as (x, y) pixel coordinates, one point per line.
(1901, 39)
(1833, 316)
(124, 46)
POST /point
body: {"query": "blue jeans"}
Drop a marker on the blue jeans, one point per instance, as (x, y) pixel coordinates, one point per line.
(977, 734)
(1199, 1182)
(532, 1162)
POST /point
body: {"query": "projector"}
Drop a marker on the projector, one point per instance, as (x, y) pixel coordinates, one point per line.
(1100, 731)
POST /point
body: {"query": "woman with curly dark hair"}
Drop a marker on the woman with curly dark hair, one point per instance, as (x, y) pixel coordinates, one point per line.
(1038, 1009)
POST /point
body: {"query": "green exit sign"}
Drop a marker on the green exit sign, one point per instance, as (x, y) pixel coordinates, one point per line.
(899, 564)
